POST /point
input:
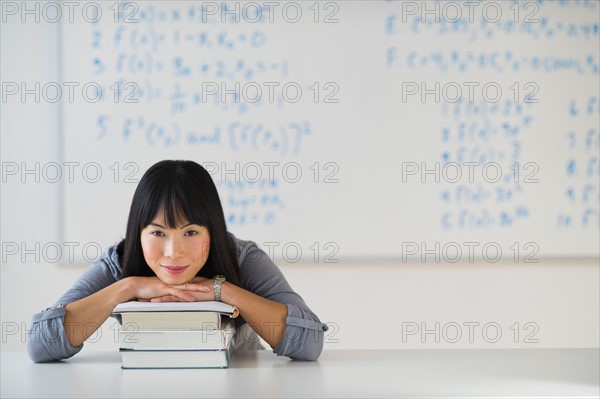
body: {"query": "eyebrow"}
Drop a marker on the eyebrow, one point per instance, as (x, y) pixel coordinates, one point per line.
(163, 227)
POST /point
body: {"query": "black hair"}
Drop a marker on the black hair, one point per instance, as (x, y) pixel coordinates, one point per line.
(184, 191)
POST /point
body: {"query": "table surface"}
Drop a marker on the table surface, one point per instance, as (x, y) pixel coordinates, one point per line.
(547, 373)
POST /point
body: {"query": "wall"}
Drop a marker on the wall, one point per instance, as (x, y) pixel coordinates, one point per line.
(370, 303)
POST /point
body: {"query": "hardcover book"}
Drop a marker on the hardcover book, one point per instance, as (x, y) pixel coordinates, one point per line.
(152, 359)
(211, 338)
(174, 315)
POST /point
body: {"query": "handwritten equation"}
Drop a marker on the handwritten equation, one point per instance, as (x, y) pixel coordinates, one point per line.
(481, 136)
(273, 139)
(494, 61)
(581, 166)
(172, 75)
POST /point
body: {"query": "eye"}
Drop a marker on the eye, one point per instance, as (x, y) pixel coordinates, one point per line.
(157, 233)
(191, 233)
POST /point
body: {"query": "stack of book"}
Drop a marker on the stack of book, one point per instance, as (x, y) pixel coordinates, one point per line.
(176, 334)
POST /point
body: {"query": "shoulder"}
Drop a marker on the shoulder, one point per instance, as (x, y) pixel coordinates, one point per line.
(110, 260)
(253, 260)
(103, 272)
(260, 275)
(258, 272)
(245, 249)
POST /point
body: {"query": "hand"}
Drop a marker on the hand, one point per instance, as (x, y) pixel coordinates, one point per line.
(199, 288)
(152, 288)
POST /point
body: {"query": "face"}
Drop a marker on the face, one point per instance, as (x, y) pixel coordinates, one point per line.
(175, 255)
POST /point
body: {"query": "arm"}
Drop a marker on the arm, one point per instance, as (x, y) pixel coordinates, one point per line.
(48, 339)
(271, 307)
(303, 333)
(83, 317)
(266, 317)
(59, 331)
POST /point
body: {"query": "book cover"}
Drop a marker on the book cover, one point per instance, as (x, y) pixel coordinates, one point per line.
(208, 306)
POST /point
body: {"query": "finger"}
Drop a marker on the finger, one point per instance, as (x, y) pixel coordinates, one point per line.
(170, 290)
(192, 287)
(167, 298)
(186, 296)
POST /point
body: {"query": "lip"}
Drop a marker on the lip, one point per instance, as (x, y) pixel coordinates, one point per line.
(174, 269)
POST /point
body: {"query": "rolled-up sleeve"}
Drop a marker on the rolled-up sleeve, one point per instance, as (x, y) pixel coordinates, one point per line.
(304, 332)
(303, 337)
(47, 339)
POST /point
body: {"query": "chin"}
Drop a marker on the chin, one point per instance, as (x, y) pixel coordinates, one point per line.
(173, 280)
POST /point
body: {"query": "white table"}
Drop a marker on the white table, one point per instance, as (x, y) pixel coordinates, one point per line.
(547, 373)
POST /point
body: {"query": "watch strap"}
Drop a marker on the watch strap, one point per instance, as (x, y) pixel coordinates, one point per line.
(219, 280)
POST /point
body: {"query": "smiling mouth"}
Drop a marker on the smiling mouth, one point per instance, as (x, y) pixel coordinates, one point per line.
(174, 269)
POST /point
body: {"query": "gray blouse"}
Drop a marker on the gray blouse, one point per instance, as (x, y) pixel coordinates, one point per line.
(302, 340)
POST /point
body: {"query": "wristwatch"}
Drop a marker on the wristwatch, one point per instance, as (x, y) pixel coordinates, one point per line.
(219, 279)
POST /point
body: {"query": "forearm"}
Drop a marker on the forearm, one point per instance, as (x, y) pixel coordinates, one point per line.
(85, 316)
(266, 317)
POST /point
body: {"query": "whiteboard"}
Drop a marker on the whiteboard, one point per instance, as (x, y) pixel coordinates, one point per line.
(345, 130)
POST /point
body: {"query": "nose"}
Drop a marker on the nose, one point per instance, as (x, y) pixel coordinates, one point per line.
(173, 248)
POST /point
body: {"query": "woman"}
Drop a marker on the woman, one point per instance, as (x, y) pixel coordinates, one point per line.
(177, 248)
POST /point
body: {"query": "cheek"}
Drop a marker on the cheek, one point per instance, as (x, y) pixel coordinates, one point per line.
(149, 249)
(202, 249)
(206, 248)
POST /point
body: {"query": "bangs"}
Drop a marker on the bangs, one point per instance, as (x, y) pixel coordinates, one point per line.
(178, 203)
